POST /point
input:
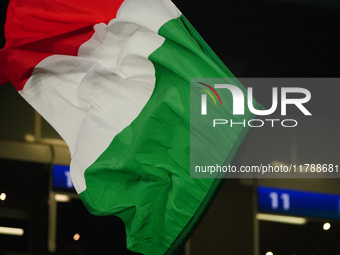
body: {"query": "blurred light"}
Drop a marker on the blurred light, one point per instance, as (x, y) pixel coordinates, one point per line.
(76, 237)
(269, 253)
(326, 226)
(30, 138)
(11, 231)
(278, 163)
(2, 196)
(281, 219)
(61, 198)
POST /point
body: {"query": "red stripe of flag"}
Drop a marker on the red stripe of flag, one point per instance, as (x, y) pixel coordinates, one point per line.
(46, 28)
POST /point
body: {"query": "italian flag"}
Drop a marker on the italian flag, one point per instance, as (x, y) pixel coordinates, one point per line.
(113, 78)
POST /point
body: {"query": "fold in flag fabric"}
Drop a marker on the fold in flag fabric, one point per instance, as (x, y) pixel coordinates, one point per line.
(112, 77)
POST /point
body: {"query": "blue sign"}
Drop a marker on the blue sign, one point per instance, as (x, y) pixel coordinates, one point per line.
(299, 203)
(62, 177)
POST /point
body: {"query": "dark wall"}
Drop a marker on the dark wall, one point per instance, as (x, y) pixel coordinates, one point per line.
(269, 39)
(228, 227)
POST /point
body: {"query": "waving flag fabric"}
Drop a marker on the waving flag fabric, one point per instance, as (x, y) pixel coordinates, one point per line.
(112, 77)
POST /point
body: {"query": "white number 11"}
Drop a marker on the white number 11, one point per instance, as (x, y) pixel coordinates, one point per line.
(274, 196)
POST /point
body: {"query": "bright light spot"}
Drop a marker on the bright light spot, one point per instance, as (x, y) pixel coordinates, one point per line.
(11, 231)
(30, 138)
(61, 198)
(76, 237)
(279, 163)
(2, 196)
(269, 253)
(281, 219)
(326, 226)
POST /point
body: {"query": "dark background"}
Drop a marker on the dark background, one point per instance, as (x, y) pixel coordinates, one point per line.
(270, 38)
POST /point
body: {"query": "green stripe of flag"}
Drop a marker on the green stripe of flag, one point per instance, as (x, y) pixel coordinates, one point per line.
(144, 173)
